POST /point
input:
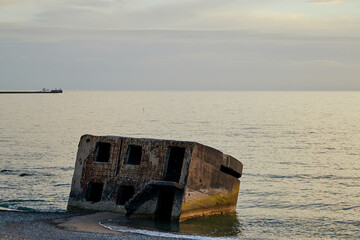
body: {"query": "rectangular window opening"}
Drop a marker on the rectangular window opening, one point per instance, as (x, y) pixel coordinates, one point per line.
(102, 152)
(94, 192)
(174, 165)
(230, 171)
(124, 194)
(133, 155)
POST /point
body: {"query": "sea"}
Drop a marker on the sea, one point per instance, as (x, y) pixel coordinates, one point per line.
(300, 151)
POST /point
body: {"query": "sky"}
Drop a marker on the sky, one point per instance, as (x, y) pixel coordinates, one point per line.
(180, 45)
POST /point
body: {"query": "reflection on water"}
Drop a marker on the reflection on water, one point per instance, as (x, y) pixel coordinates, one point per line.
(226, 225)
(220, 225)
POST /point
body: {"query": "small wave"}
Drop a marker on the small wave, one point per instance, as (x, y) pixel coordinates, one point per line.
(350, 185)
(157, 234)
(11, 207)
(349, 208)
(48, 174)
(25, 174)
(16, 172)
(290, 132)
(286, 163)
(304, 176)
(312, 206)
(62, 184)
(294, 148)
(250, 128)
(43, 168)
(26, 209)
(324, 177)
(286, 205)
(67, 168)
(354, 223)
(26, 200)
(348, 178)
(330, 148)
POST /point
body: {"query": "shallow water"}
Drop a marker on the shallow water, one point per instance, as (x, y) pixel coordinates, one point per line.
(300, 150)
(221, 226)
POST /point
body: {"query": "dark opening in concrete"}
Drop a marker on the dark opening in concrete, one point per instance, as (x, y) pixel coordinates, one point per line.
(118, 163)
(230, 171)
(133, 155)
(174, 164)
(94, 192)
(102, 152)
(124, 194)
(164, 205)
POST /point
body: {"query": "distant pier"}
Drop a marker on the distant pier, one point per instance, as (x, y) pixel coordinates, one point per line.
(21, 92)
(32, 92)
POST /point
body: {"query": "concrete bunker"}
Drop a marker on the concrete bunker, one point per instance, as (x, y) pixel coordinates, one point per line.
(160, 179)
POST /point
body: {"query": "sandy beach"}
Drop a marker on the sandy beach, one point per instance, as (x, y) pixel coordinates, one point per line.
(47, 225)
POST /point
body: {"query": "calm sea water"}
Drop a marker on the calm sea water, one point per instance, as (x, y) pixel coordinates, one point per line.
(300, 150)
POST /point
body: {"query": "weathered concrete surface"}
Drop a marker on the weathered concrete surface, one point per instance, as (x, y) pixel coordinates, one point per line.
(114, 172)
(209, 190)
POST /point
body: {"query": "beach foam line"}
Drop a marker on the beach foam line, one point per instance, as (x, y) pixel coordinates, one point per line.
(10, 209)
(150, 233)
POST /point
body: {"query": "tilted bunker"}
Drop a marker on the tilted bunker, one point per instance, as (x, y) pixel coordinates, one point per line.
(161, 179)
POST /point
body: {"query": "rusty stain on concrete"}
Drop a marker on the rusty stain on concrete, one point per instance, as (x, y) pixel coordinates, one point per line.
(161, 179)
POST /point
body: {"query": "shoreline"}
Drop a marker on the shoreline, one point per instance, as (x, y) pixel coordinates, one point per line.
(49, 225)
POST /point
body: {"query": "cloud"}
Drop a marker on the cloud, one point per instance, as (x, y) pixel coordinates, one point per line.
(323, 63)
(211, 60)
(326, 1)
(43, 3)
(91, 59)
(203, 15)
(5, 3)
(136, 14)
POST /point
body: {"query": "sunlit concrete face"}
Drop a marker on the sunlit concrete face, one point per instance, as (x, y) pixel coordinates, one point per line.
(160, 179)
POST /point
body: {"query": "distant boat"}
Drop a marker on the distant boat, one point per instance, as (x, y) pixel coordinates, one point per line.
(55, 90)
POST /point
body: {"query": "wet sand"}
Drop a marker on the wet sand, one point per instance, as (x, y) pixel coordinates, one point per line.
(72, 226)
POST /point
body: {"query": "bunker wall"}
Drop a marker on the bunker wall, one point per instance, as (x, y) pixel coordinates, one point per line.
(110, 170)
(213, 185)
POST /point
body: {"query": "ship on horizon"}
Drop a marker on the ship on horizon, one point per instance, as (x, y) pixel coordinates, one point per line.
(55, 90)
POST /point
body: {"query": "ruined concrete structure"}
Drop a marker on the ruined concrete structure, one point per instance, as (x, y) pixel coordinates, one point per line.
(162, 179)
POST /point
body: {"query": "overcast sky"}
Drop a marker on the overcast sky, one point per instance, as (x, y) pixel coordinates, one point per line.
(180, 45)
